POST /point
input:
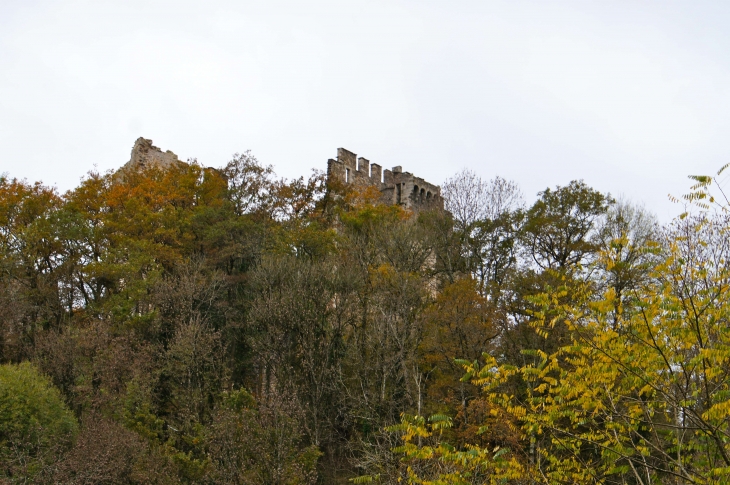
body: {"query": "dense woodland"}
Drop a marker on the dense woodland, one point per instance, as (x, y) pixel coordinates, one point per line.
(226, 326)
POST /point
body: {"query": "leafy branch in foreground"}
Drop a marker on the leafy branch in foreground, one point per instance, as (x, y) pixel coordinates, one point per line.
(701, 193)
(432, 461)
(640, 394)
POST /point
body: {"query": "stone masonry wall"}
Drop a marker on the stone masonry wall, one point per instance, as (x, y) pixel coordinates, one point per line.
(144, 155)
(396, 186)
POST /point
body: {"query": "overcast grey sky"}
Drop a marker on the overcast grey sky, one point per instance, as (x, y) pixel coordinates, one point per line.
(629, 96)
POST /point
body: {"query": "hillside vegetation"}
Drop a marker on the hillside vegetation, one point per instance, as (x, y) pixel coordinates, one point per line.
(191, 325)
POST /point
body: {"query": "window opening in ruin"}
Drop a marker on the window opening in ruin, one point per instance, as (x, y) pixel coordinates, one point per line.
(398, 192)
(347, 175)
(423, 192)
(428, 195)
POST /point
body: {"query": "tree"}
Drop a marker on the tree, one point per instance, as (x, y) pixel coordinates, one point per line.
(459, 322)
(470, 199)
(559, 242)
(486, 216)
(297, 321)
(560, 227)
(107, 453)
(29, 265)
(251, 186)
(629, 239)
(260, 443)
(35, 424)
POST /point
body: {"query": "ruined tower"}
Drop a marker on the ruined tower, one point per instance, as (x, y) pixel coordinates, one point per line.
(145, 155)
(396, 186)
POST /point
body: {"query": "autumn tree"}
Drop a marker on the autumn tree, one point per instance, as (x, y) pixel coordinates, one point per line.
(30, 264)
(636, 399)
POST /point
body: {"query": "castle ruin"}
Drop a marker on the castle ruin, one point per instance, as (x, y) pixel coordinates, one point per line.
(396, 186)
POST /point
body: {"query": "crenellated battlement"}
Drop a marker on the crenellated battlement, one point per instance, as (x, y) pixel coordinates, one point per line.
(396, 186)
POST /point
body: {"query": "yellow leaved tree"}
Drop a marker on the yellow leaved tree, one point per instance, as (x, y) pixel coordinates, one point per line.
(640, 394)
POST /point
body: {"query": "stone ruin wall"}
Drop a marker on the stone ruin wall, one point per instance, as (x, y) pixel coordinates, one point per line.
(396, 186)
(145, 155)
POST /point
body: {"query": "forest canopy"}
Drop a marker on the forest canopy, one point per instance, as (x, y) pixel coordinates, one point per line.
(195, 325)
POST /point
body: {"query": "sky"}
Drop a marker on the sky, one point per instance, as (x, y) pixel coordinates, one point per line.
(630, 96)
